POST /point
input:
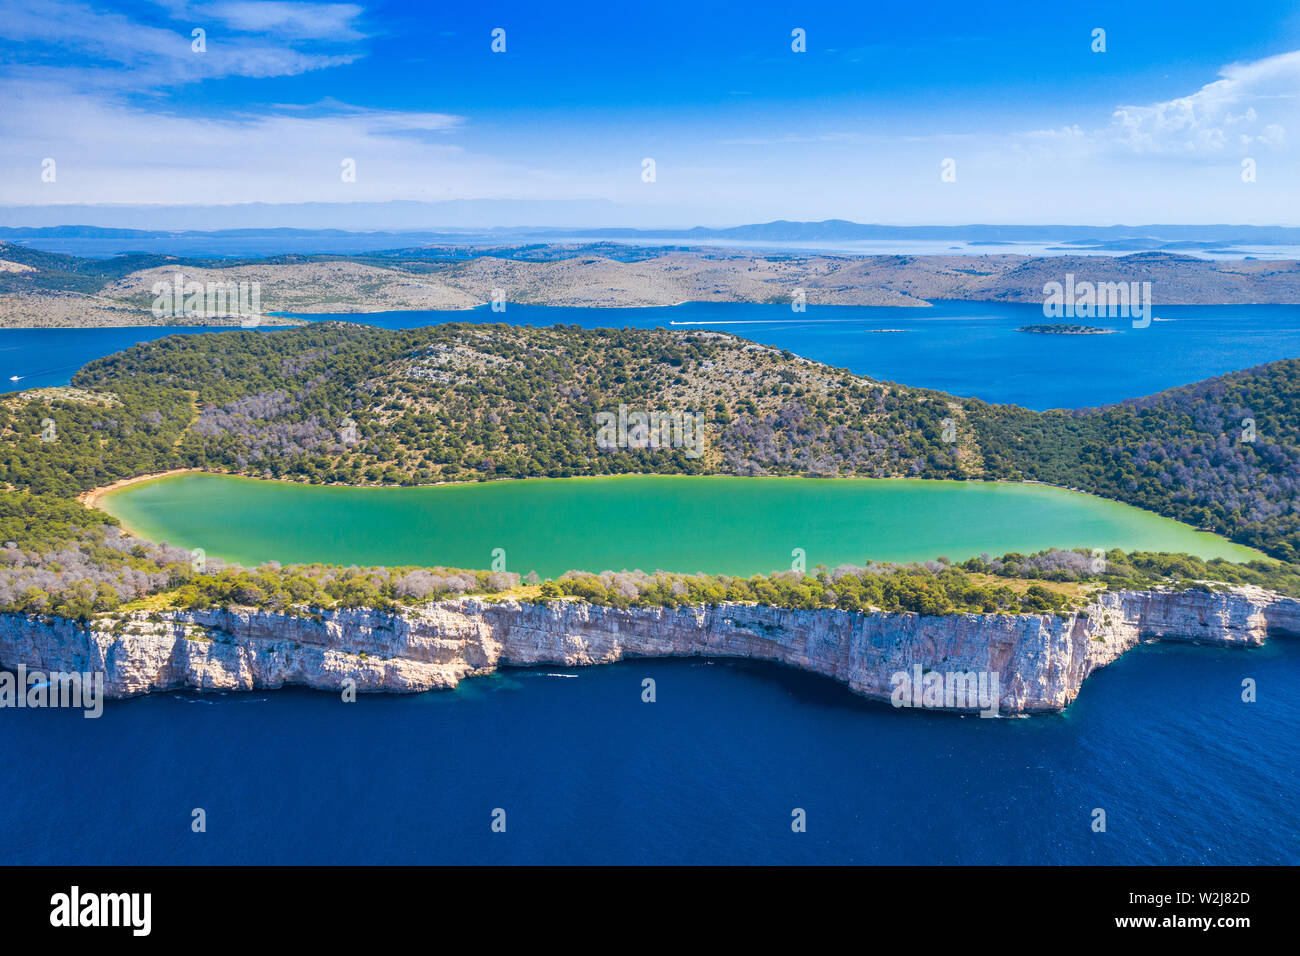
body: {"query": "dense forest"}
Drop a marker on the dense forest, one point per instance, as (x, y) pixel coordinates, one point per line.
(340, 402)
(461, 401)
(1223, 454)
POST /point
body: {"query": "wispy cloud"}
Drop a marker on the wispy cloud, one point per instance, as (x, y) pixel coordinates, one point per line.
(64, 36)
(316, 21)
(95, 91)
(109, 150)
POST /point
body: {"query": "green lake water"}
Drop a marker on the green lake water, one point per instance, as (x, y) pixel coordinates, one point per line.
(717, 525)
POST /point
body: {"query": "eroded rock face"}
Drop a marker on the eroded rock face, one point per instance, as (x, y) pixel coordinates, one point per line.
(1040, 660)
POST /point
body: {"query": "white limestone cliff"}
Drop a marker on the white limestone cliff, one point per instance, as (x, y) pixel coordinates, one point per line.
(1041, 659)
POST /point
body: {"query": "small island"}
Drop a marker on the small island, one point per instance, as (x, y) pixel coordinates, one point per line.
(1060, 328)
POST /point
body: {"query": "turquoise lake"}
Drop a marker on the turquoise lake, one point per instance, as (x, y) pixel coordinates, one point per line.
(719, 525)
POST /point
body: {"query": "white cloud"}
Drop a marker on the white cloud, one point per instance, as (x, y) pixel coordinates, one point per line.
(1252, 103)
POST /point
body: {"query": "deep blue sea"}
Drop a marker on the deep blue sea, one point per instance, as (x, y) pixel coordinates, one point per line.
(710, 773)
(966, 348)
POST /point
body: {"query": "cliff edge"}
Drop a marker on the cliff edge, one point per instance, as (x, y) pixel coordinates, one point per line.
(1040, 660)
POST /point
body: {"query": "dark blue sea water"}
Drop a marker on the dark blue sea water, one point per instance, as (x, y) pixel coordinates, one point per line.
(966, 348)
(710, 773)
(1185, 771)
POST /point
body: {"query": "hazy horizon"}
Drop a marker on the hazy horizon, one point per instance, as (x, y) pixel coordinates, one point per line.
(485, 215)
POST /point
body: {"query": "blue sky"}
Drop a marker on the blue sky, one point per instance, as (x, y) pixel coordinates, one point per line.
(741, 128)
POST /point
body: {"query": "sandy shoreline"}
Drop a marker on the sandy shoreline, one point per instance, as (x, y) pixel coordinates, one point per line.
(91, 498)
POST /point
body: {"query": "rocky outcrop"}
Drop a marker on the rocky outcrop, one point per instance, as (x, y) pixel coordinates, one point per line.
(1040, 660)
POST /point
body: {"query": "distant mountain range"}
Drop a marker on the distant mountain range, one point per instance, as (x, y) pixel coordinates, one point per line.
(841, 230)
(1119, 237)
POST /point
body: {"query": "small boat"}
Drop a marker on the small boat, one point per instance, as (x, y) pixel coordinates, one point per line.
(15, 378)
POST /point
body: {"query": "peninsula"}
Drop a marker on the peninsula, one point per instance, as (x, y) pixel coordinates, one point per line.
(350, 404)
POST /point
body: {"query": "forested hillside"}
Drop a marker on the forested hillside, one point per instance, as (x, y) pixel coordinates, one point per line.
(491, 401)
(1223, 454)
(337, 402)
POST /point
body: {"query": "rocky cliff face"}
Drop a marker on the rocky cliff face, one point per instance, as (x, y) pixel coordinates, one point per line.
(1040, 660)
